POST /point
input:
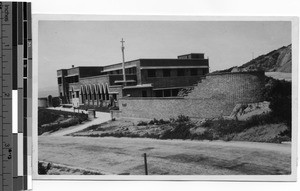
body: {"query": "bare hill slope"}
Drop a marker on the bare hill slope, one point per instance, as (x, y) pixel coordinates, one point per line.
(279, 60)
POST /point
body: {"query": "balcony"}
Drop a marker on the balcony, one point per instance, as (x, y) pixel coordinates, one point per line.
(115, 79)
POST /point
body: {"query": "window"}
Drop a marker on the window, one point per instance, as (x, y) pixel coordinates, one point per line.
(76, 79)
(158, 93)
(59, 80)
(167, 93)
(151, 73)
(166, 72)
(180, 72)
(175, 92)
(194, 71)
(144, 93)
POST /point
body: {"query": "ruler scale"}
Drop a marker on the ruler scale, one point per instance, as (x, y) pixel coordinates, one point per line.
(15, 59)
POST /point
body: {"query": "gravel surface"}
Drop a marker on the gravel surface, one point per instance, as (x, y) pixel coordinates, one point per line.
(110, 155)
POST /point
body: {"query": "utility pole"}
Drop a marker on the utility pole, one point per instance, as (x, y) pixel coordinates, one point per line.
(123, 61)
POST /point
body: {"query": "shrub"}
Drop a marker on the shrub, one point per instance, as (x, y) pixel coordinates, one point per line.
(158, 122)
(42, 169)
(180, 128)
(142, 123)
(183, 119)
(56, 101)
(179, 131)
(279, 92)
(153, 122)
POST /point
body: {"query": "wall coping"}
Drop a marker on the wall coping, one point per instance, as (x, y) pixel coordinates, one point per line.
(234, 73)
(151, 98)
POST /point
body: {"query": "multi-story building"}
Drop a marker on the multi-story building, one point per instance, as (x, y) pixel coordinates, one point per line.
(144, 78)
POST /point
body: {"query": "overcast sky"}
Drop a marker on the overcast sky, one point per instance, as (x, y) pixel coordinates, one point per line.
(97, 43)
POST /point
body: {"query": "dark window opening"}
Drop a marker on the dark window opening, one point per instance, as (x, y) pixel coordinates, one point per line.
(77, 94)
(151, 73)
(159, 93)
(76, 79)
(175, 92)
(130, 70)
(95, 96)
(144, 93)
(194, 71)
(167, 93)
(180, 72)
(59, 80)
(72, 79)
(166, 72)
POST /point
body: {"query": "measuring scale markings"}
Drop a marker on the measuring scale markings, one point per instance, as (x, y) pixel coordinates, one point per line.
(16, 95)
(6, 99)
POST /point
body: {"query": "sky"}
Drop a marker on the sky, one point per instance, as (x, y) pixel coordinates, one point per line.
(62, 44)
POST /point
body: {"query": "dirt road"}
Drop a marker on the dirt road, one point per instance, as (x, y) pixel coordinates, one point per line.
(175, 157)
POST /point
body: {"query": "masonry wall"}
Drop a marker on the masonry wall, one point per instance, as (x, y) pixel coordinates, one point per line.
(234, 87)
(165, 108)
(216, 96)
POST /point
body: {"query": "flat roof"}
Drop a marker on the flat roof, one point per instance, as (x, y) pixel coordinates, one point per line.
(159, 63)
(82, 67)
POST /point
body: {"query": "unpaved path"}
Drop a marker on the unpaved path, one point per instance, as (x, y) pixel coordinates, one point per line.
(173, 157)
(101, 117)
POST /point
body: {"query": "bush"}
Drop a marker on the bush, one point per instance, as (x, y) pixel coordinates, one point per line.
(42, 169)
(179, 131)
(279, 92)
(55, 101)
(158, 122)
(142, 123)
(153, 122)
(181, 128)
(183, 119)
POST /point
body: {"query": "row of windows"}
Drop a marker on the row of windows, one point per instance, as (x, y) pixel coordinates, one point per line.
(167, 72)
(127, 71)
(72, 79)
(166, 93)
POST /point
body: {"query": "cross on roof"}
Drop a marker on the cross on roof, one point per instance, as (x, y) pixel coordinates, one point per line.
(122, 41)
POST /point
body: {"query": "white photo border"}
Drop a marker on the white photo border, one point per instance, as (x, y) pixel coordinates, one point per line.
(36, 18)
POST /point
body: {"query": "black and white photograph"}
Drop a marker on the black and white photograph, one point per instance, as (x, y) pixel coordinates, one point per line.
(165, 98)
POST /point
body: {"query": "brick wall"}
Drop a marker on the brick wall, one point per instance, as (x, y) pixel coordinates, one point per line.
(215, 97)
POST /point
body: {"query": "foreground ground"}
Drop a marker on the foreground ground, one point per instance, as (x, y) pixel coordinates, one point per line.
(175, 157)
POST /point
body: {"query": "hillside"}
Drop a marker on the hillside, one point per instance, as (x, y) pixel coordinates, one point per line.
(279, 60)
